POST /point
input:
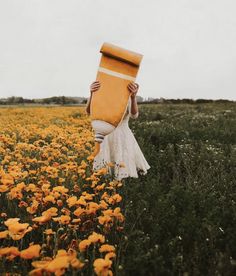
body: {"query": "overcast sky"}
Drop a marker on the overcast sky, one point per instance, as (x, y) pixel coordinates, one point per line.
(51, 47)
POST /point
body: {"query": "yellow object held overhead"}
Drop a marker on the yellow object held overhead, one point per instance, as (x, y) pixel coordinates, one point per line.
(118, 67)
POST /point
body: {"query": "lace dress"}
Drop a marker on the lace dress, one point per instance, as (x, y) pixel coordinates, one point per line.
(121, 148)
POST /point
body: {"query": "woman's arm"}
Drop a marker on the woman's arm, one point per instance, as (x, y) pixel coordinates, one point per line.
(93, 87)
(133, 88)
(134, 108)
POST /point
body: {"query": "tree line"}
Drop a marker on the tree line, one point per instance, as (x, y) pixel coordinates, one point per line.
(63, 100)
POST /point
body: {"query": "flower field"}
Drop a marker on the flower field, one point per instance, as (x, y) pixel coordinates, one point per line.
(58, 217)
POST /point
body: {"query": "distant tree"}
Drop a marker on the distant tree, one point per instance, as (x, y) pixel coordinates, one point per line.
(203, 101)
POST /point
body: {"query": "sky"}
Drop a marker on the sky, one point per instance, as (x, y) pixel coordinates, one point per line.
(51, 47)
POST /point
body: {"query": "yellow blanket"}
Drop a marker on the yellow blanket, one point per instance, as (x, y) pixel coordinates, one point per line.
(117, 68)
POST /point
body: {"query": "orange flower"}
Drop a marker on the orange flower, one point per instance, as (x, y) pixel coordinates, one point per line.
(3, 234)
(110, 255)
(103, 204)
(49, 232)
(31, 252)
(17, 230)
(87, 196)
(41, 264)
(33, 208)
(3, 188)
(76, 220)
(81, 201)
(49, 198)
(104, 219)
(51, 211)
(7, 179)
(90, 158)
(42, 219)
(101, 267)
(63, 219)
(61, 189)
(93, 207)
(118, 214)
(46, 215)
(71, 201)
(100, 187)
(12, 252)
(59, 264)
(79, 211)
(107, 248)
(101, 171)
(114, 199)
(31, 187)
(95, 237)
(83, 245)
(77, 264)
(15, 193)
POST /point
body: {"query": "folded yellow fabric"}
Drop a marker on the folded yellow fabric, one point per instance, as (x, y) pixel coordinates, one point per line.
(117, 68)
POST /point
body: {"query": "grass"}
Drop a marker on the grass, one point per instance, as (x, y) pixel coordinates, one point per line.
(181, 216)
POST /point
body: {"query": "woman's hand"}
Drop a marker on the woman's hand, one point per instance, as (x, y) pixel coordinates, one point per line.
(95, 86)
(133, 88)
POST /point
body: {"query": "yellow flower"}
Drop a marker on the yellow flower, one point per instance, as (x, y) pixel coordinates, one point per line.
(102, 267)
(31, 252)
(3, 234)
(17, 230)
(93, 207)
(49, 198)
(95, 237)
(33, 208)
(63, 219)
(79, 211)
(114, 199)
(51, 211)
(81, 201)
(104, 219)
(58, 265)
(11, 252)
(42, 219)
(83, 245)
(107, 248)
(3, 188)
(71, 201)
(49, 232)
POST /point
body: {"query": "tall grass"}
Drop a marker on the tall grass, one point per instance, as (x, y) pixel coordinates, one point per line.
(181, 216)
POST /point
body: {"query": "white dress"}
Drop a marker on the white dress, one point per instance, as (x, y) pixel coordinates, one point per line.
(121, 148)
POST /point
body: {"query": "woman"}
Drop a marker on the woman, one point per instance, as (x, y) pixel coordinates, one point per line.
(119, 150)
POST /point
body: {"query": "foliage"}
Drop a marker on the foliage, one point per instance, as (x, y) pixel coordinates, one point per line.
(181, 216)
(59, 217)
